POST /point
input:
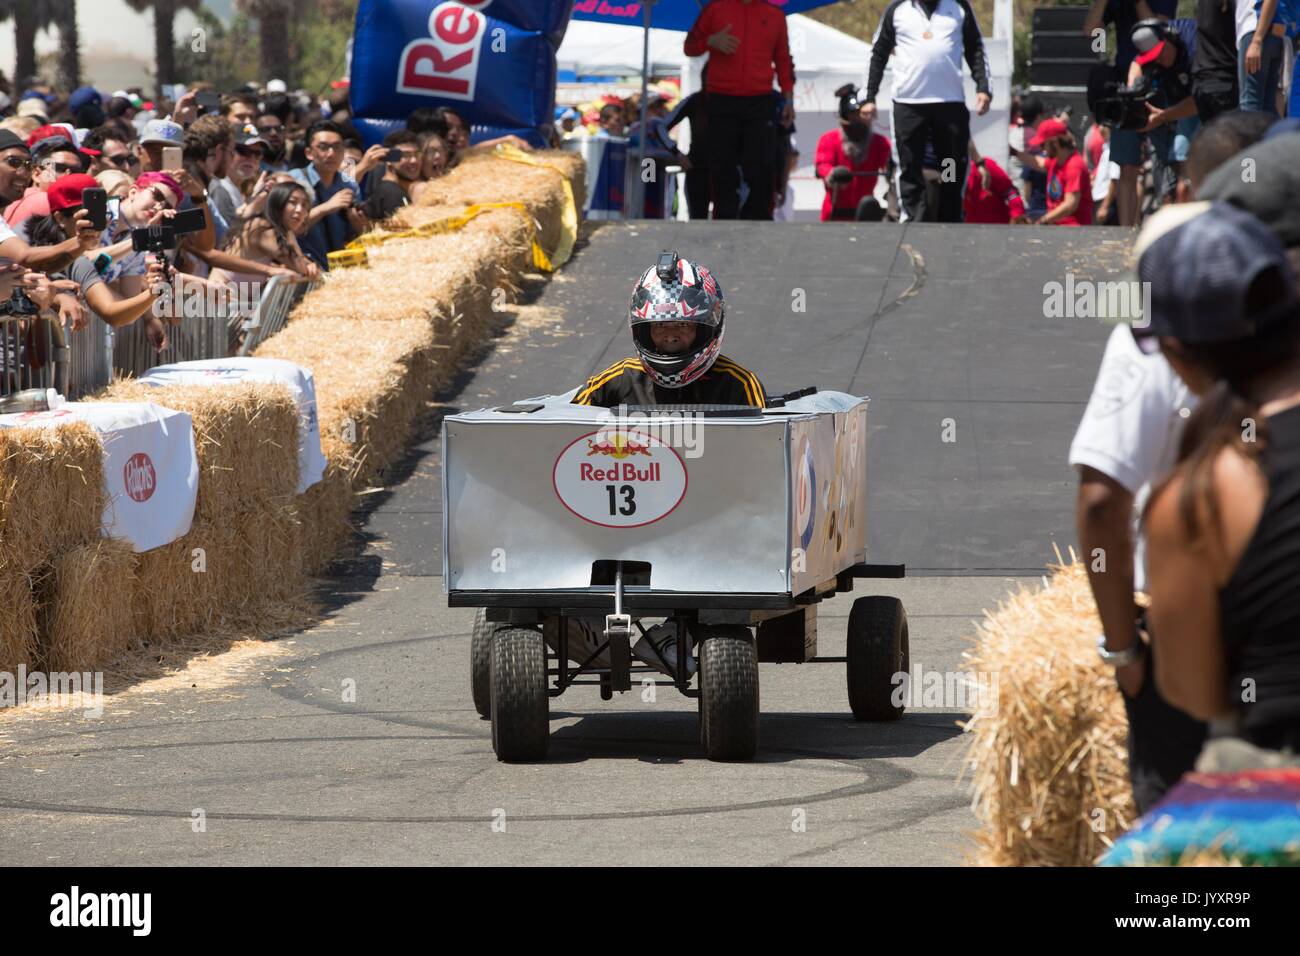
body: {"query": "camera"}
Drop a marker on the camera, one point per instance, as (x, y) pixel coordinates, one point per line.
(20, 304)
(165, 236)
(1119, 106)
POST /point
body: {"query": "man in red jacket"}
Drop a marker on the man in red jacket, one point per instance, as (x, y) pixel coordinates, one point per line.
(748, 47)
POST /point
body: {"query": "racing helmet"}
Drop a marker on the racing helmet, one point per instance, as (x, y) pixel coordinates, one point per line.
(677, 290)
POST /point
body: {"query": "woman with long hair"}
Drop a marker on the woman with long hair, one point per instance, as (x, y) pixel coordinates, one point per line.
(1223, 530)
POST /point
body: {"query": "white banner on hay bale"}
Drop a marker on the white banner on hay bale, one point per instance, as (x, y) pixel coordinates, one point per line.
(151, 472)
(311, 460)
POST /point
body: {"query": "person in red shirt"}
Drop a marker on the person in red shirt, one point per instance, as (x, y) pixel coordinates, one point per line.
(990, 196)
(849, 161)
(748, 49)
(1069, 191)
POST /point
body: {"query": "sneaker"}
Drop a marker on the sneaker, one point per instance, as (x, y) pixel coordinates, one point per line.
(658, 648)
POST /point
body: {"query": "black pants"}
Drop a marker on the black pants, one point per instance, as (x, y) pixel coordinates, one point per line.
(1163, 742)
(1211, 102)
(741, 135)
(697, 191)
(948, 126)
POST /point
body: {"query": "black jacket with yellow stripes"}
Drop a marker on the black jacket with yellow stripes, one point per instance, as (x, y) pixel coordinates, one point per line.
(626, 383)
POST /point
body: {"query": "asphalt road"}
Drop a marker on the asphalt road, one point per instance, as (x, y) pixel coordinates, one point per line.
(355, 742)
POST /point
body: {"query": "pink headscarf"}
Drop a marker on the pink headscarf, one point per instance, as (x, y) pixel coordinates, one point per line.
(145, 180)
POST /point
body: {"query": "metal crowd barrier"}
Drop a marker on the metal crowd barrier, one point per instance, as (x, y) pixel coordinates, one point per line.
(92, 358)
(277, 300)
(196, 337)
(33, 354)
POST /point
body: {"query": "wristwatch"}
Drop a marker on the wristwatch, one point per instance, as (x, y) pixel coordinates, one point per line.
(1130, 655)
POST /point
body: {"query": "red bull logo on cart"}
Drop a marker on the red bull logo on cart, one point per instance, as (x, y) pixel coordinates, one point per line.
(619, 478)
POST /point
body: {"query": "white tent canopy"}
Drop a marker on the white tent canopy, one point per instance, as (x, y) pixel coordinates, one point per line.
(614, 49)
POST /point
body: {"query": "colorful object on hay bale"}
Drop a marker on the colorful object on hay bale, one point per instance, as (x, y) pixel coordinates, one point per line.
(348, 258)
(1251, 817)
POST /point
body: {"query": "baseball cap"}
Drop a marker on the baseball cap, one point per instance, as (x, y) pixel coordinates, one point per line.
(247, 134)
(1272, 194)
(1149, 39)
(33, 106)
(82, 96)
(1206, 264)
(65, 192)
(163, 131)
(1048, 129)
(51, 131)
(11, 140)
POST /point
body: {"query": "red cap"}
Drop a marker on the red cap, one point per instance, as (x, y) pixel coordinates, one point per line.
(1151, 54)
(1048, 129)
(66, 191)
(49, 131)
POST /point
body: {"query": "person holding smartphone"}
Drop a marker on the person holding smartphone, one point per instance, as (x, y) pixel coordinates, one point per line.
(402, 165)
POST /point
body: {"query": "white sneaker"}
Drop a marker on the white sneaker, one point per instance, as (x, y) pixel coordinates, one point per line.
(658, 648)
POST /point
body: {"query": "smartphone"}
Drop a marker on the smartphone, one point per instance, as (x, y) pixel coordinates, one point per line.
(171, 159)
(95, 201)
(189, 220)
(208, 101)
(394, 155)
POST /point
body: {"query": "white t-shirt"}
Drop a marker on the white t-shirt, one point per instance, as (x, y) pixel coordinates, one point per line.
(1102, 175)
(1132, 425)
(1247, 18)
(5, 232)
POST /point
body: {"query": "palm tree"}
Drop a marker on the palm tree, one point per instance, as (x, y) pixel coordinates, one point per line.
(29, 16)
(64, 15)
(164, 34)
(273, 18)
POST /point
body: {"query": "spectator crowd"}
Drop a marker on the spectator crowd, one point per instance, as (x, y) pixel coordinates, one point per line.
(255, 183)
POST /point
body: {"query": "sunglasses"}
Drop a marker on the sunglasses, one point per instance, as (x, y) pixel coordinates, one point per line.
(249, 151)
(160, 197)
(17, 162)
(121, 160)
(63, 169)
(277, 128)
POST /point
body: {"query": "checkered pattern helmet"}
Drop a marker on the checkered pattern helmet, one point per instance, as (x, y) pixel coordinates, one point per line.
(677, 290)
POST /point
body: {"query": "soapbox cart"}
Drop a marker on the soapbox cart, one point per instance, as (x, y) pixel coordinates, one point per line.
(731, 522)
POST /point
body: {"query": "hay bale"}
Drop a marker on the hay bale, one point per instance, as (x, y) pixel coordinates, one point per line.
(17, 619)
(1050, 767)
(323, 510)
(84, 606)
(245, 437)
(245, 569)
(51, 492)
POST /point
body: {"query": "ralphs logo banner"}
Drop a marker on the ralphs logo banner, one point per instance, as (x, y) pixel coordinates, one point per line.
(492, 60)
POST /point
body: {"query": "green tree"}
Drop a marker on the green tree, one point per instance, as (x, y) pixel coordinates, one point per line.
(226, 57)
(64, 15)
(29, 16)
(164, 34)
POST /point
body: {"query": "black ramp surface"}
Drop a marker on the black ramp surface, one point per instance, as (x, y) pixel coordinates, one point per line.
(942, 326)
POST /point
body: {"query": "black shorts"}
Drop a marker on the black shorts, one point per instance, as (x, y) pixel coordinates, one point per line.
(1163, 742)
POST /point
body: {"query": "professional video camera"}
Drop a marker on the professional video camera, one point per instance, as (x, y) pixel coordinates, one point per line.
(1116, 105)
(165, 236)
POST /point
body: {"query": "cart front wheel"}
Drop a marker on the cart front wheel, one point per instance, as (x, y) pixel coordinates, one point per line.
(877, 650)
(480, 663)
(519, 702)
(728, 692)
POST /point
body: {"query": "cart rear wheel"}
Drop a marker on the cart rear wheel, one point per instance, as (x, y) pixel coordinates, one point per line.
(520, 705)
(728, 692)
(480, 663)
(877, 651)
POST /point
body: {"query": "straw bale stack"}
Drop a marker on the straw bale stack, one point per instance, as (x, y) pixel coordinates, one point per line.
(17, 619)
(51, 492)
(245, 438)
(85, 606)
(1049, 769)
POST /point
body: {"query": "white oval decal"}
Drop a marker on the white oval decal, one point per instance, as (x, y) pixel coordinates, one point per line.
(619, 478)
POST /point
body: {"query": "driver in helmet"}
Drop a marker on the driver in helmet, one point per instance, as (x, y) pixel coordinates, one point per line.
(676, 317)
